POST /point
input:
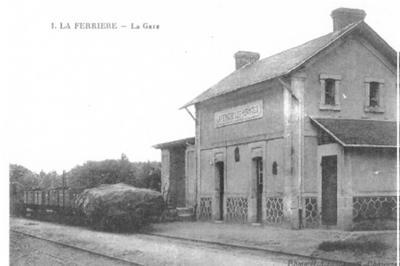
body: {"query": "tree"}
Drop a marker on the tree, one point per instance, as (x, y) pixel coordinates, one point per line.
(23, 176)
(92, 173)
(139, 174)
(149, 175)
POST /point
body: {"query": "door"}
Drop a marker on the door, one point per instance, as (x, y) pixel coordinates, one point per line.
(259, 189)
(190, 176)
(220, 177)
(329, 190)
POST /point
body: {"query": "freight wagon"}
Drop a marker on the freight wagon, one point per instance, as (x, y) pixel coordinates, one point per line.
(60, 199)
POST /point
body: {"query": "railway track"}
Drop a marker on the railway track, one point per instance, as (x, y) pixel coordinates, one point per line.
(318, 261)
(110, 257)
(291, 257)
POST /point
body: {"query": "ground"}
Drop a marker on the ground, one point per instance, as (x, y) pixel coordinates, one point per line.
(166, 244)
(302, 242)
(25, 250)
(139, 248)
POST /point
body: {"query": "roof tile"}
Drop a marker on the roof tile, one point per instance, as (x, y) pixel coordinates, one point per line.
(360, 132)
(271, 67)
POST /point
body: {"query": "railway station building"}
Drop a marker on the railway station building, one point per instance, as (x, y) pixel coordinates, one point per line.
(303, 138)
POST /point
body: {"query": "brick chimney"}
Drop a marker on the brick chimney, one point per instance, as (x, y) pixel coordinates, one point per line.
(345, 16)
(244, 57)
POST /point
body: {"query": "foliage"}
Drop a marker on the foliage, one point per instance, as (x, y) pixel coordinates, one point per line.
(92, 174)
(22, 176)
(49, 180)
(119, 207)
(21, 179)
(138, 174)
(362, 244)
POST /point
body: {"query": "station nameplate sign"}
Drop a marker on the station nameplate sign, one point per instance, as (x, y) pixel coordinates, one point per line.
(250, 111)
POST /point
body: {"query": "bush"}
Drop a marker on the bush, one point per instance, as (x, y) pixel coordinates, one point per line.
(358, 245)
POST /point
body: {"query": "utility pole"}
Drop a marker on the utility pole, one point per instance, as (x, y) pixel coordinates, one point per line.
(63, 187)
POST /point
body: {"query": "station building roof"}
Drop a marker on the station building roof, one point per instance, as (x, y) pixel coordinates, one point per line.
(360, 132)
(175, 143)
(291, 60)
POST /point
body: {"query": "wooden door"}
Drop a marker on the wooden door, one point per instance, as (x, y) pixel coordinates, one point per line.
(190, 176)
(329, 190)
(220, 176)
(259, 184)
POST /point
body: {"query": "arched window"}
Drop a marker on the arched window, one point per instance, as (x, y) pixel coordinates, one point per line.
(274, 168)
(237, 154)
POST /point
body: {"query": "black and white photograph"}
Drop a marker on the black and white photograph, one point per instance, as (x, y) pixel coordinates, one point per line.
(200, 132)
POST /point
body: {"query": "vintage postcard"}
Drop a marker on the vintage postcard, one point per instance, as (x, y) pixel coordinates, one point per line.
(202, 133)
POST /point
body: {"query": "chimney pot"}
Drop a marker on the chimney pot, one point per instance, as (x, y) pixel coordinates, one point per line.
(244, 57)
(346, 16)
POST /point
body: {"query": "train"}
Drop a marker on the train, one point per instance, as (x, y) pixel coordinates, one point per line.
(119, 212)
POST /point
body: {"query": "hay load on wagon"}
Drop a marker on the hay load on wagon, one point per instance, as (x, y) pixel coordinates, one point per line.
(119, 207)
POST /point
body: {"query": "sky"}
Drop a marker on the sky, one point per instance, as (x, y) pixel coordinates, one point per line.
(73, 95)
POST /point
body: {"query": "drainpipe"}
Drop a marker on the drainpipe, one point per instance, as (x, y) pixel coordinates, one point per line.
(198, 169)
(300, 162)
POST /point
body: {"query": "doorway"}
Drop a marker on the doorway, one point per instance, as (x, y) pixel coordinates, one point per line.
(329, 190)
(258, 163)
(220, 188)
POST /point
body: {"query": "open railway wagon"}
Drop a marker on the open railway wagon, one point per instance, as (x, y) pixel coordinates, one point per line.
(59, 200)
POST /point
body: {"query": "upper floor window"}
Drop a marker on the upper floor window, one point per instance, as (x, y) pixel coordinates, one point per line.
(374, 95)
(329, 92)
(330, 85)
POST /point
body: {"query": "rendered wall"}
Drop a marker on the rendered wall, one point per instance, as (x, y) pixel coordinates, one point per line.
(274, 183)
(177, 176)
(190, 176)
(354, 61)
(373, 176)
(270, 123)
(207, 182)
(310, 165)
(173, 185)
(237, 173)
(373, 171)
(249, 137)
(165, 166)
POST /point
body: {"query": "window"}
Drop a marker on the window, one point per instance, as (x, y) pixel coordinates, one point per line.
(330, 92)
(374, 95)
(274, 168)
(237, 155)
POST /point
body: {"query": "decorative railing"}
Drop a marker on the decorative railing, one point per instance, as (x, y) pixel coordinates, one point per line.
(205, 210)
(237, 209)
(365, 208)
(274, 210)
(311, 215)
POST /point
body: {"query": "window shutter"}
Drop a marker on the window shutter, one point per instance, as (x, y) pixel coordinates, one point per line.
(253, 179)
(322, 92)
(216, 178)
(337, 92)
(381, 96)
(366, 94)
